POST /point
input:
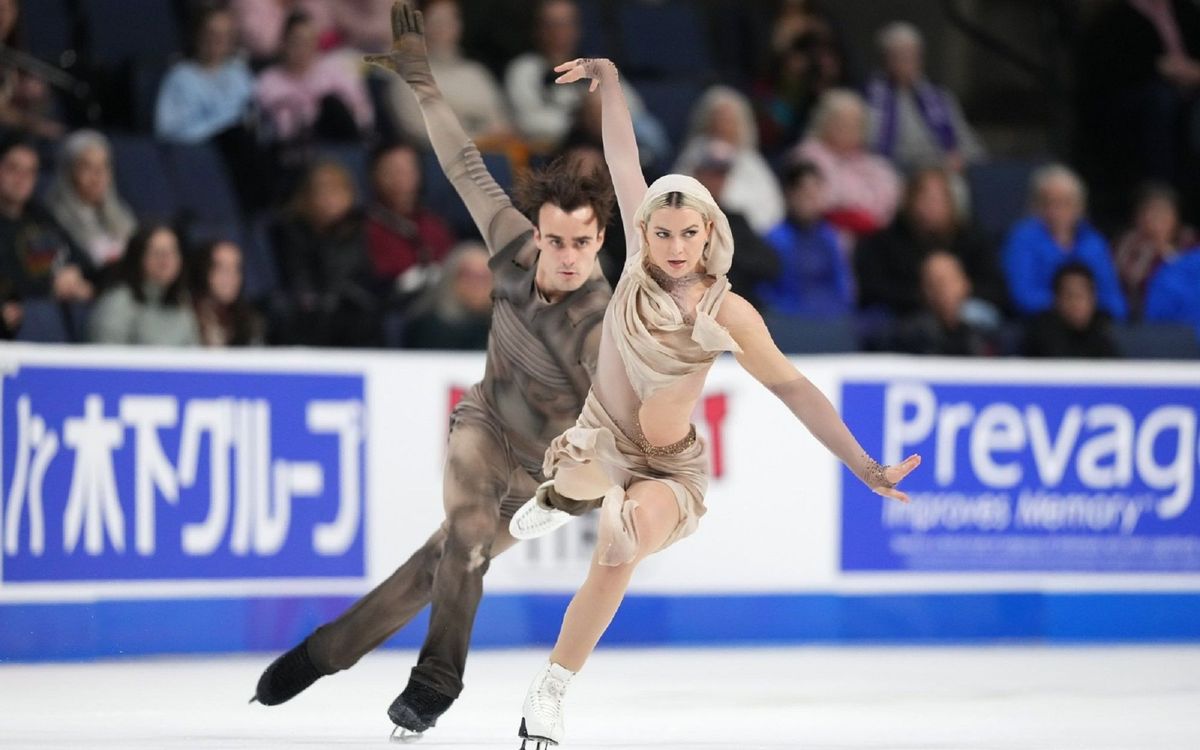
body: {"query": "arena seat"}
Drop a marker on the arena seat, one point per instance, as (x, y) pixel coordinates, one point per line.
(663, 38)
(999, 194)
(119, 31)
(1157, 341)
(202, 182)
(141, 176)
(795, 334)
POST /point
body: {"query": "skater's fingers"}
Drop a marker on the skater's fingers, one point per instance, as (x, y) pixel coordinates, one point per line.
(903, 469)
(893, 493)
(568, 65)
(419, 17)
(595, 85)
(397, 19)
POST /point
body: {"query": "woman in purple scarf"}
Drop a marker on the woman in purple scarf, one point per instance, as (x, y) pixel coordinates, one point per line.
(913, 122)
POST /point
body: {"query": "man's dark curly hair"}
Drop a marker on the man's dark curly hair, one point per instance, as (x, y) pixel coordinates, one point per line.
(565, 184)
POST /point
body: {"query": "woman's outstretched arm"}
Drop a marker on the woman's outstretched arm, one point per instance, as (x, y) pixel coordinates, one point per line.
(620, 146)
(762, 359)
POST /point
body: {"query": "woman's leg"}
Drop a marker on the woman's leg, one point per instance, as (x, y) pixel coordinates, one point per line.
(596, 602)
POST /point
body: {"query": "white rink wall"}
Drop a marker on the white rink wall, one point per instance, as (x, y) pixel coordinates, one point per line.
(266, 488)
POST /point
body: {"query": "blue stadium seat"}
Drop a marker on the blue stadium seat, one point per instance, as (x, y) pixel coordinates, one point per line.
(123, 30)
(202, 182)
(141, 176)
(671, 101)
(664, 38)
(260, 274)
(442, 199)
(1157, 341)
(999, 194)
(48, 32)
(145, 81)
(43, 322)
(795, 334)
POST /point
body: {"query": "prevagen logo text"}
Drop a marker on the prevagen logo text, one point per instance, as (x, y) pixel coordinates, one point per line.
(1030, 462)
(139, 475)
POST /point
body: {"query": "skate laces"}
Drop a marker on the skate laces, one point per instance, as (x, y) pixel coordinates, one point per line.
(548, 698)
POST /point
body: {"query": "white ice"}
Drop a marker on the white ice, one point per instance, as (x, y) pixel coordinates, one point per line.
(1005, 698)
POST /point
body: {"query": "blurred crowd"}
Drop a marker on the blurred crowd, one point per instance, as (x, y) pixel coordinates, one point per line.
(852, 202)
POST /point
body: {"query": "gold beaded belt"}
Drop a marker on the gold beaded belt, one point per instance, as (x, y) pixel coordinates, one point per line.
(675, 448)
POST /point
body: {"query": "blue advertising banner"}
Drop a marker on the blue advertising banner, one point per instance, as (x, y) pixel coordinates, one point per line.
(1026, 477)
(124, 475)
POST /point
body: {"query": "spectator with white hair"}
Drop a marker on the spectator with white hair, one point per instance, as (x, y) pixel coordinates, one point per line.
(862, 190)
(724, 114)
(1057, 233)
(84, 201)
(914, 122)
(456, 314)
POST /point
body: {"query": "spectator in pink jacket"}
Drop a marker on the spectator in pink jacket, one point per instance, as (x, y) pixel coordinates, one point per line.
(308, 92)
(862, 190)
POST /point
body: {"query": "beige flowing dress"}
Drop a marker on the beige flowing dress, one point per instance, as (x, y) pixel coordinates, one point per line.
(647, 344)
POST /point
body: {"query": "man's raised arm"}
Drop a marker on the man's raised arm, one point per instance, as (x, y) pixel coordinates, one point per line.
(457, 154)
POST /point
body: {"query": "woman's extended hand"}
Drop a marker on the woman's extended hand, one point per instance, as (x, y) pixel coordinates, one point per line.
(598, 69)
(883, 479)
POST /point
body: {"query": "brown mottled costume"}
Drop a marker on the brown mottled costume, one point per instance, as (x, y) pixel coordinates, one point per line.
(540, 361)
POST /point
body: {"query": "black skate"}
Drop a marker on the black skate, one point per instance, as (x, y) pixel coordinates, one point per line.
(287, 677)
(539, 743)
(416, 710)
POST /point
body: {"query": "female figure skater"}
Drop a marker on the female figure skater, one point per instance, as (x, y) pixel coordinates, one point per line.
(633, 450)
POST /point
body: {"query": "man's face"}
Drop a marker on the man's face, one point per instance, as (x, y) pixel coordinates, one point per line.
(18, 175)
(568, 242)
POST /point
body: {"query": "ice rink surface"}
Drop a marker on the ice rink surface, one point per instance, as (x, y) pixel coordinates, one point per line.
(1005, 698)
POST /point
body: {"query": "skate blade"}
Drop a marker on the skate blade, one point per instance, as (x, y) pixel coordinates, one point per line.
(253, 700)
(539, 743)
(405, 735)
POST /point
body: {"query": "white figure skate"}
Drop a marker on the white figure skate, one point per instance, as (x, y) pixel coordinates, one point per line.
(542, 715)
(535, 518)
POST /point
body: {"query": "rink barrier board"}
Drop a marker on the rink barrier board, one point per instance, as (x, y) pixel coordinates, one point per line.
(358, 440)
(56, 632)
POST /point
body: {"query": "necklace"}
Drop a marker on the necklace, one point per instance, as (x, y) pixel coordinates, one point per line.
(677, 287)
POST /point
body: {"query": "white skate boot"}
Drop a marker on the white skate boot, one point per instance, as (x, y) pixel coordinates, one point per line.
(535, 518)
(541, 717)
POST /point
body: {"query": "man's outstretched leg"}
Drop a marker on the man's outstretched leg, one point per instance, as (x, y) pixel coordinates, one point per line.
(477, 478)
(369, 622)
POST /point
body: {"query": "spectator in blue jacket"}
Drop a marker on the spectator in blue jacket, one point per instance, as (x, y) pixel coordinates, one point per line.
(1174, 291)
(1058, 233)
(814, 280)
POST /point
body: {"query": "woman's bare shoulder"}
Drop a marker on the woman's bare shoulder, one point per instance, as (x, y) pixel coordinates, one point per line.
(736, 312)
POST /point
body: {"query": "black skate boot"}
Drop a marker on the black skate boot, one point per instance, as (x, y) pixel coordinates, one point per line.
(416, 710)
(287, 677)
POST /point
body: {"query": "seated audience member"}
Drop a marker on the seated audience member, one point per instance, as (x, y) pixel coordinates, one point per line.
(224, 317)
(210, 91)
(951, 323)
(755, 262)
(1072, 327)
(805, 61)
(260, 24)
(332, 296)
(85, 203)
(1173, 294)
(468, 86)
(406, 241)
(37, 260)
(1055, 234)
(888, 263)
(310, 93)
(861, 189)
(150, 305)
(544, 110)
(25, 99)
(913, 122)
(457, 313)
(724, 114)
(1156, 237)
(814, 280)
